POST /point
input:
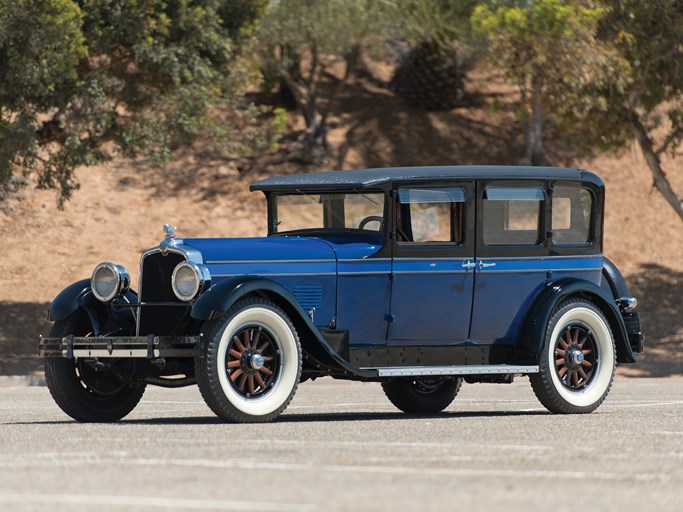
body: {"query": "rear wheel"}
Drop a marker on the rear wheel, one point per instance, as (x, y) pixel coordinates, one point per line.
(422, 395)
(250, 364)
(85, 393)
(578, 360)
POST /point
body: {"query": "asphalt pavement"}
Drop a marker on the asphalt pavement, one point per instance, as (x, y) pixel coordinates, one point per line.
(342, 446)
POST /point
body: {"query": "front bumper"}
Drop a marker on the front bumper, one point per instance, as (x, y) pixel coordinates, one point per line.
(148, 347)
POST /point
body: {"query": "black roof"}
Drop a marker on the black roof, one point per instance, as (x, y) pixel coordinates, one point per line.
(376, 178)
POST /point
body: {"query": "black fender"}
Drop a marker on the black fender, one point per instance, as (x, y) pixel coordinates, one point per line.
(612, 280)
(220, 297)
(532, 338)
(103, 319)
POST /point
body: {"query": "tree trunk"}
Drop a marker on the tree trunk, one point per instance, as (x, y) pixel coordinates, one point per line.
(534, 153)
(314, 139)
(652, 159)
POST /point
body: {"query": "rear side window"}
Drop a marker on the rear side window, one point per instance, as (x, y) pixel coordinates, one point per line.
(430, 215)
(512, 215)
(572, 216)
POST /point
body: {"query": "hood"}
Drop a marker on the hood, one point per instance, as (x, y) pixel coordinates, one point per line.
(353, 247)
(263, 249)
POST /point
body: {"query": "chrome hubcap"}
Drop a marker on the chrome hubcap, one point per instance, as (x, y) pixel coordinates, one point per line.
(257, 361)
(575, 357)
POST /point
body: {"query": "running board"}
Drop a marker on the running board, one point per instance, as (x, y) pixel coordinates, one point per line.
(420, 371)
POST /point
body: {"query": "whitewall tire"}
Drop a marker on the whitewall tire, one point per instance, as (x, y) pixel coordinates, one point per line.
(250, 364)
(578, 360)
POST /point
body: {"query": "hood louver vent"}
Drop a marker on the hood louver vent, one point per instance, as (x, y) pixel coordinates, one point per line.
(309, 296)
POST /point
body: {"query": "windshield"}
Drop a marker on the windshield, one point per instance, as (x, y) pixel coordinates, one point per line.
(361, 211)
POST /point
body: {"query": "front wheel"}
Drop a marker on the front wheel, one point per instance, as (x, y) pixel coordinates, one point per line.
(578, 360)
(83, 392)
(422, 395)
(250, 364)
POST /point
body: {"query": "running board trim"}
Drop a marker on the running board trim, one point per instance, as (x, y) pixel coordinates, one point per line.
(419, 371)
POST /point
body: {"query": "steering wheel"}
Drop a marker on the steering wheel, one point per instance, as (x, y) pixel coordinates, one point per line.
(369, 219)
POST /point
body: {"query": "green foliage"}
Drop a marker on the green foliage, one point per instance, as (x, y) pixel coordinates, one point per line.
(649, 40)
(280, 118)
(140, 76)
(442, 22)
(615, 66)
(40, 46)
(301, 40)
(550, 49)
(330, 28)
(551, 43)
(432, 73)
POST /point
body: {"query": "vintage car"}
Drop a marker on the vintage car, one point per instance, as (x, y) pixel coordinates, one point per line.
(417, 278)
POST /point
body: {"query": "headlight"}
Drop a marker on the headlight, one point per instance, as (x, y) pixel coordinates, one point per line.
(109, 281)
(187, 280)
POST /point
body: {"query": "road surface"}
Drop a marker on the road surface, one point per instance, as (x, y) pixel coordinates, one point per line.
(342, 446)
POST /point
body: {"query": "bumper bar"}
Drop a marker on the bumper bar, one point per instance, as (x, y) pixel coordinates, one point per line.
(149, 347)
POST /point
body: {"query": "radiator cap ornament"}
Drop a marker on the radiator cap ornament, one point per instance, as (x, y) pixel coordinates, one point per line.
(170, 231)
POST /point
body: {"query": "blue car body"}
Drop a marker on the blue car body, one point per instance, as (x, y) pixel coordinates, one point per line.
(389, 300)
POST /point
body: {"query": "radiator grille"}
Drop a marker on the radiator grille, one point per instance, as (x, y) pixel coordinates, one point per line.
(155, 286)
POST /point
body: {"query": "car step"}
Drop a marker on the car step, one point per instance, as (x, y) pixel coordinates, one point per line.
(420, 371)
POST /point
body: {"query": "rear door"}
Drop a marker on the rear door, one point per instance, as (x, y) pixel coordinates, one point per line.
(512, 256)
(432, 265)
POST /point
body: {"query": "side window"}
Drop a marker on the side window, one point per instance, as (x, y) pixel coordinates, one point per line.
(512, 215)
(430, 215)
(572, 215)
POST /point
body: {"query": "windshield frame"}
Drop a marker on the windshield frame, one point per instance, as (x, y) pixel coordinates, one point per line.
(273, 221)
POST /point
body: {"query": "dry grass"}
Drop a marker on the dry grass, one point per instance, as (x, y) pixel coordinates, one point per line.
(122, 206)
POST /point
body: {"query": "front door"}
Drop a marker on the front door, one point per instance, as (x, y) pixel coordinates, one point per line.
(432, 265)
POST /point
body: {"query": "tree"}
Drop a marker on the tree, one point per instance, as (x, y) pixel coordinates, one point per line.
(432, 73)
(138, 76)
(649, 40)
(550, 50)
(302, 40)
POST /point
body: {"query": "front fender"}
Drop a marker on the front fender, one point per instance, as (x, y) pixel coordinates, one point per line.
(532, 338)
(220, 297)
(70, 299)
(79, 296)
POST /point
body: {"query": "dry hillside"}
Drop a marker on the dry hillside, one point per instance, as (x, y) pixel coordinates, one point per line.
(121, 207)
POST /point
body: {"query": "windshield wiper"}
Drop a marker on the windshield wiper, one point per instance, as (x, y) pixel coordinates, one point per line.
(310, 197)
(366, 197)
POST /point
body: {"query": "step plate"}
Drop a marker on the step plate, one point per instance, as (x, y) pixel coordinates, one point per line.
(421, 371)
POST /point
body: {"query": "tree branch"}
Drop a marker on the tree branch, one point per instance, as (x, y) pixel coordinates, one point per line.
(675, 134)
(300, 92)
(351, 60)
(652, 159)
(637, 91)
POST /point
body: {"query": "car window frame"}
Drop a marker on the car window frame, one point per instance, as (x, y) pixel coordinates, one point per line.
(594, 247)
(272, 218)
(513, 250)
(437, 249)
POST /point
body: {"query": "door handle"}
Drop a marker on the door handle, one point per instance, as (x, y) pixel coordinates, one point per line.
(469, 265)
(485, 265)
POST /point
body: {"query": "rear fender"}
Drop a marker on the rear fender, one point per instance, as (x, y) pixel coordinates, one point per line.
(532, 338)
(613, 281)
